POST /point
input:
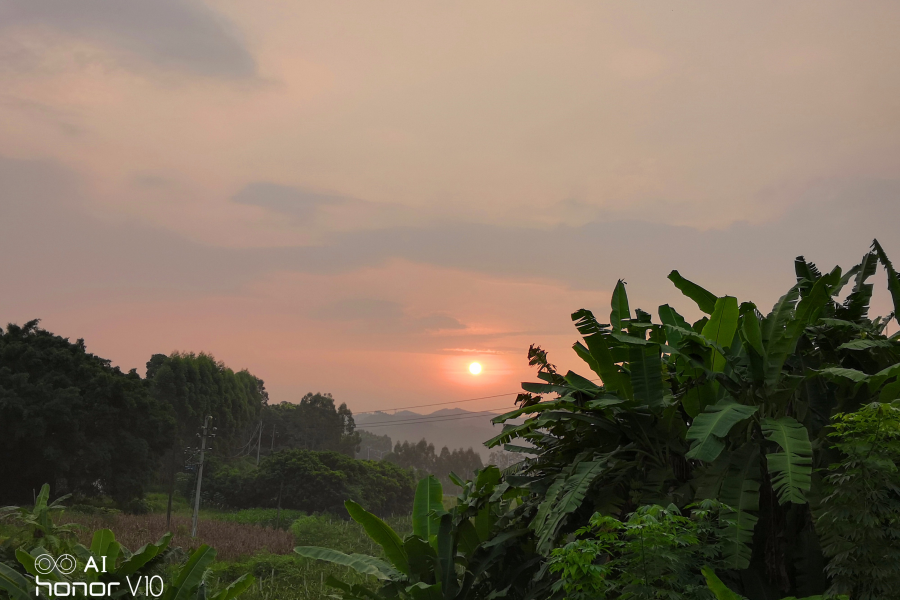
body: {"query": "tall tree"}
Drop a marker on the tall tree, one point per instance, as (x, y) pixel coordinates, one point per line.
(71, 419)
(195, 385)
(315, 423)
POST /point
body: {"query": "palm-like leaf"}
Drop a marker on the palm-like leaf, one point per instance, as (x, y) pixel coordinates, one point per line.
(740, 492)
(428, 506)
(720, 329)
(565, 496)
(367, 565)
(705, 300)
(382, 534)
(712, 425)
(791, 468)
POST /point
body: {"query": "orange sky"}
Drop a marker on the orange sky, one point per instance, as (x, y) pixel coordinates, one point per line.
(363, 198)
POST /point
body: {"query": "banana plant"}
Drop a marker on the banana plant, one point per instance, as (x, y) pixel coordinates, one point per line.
(732, 407)
(448, 553)
(38, 520)
(118, 572)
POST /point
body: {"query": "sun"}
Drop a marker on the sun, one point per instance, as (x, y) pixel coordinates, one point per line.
(475, 368)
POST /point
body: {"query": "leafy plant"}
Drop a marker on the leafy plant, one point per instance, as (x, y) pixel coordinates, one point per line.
(860, 517)
(654, 553)
(37, 523)
(448, 554)
(732, 407)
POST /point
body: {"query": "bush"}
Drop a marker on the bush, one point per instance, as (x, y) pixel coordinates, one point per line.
(312, 482)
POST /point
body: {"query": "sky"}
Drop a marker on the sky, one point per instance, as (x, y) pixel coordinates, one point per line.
(363, 198)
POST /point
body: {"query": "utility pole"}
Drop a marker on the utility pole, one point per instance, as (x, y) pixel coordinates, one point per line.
(258, 442)
(203, 435)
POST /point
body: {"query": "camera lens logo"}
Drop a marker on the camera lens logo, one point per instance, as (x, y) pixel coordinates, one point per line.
(45, 564)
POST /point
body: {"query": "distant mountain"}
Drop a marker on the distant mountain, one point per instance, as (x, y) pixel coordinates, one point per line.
(451, 427)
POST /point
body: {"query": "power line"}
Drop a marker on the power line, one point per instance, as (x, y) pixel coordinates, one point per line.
(370, 412)
(428, 419)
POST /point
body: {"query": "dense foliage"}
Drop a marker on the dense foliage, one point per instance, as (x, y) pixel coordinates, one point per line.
(732, 407)
(69, 417)
(311, 481)
(373, 446)
(422, 458)
(654, 553)
(315, 423)
(734, 410)
(859, 520)
(196, 385)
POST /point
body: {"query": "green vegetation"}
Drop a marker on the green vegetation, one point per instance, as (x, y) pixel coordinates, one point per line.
(735, 409)
(423, 460)
(312, 482)
(740, 456)
(312, 424)
(67, 415)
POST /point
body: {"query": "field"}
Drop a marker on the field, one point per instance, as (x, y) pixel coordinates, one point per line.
(247, 541)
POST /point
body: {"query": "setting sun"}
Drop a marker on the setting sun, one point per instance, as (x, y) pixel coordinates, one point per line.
(475, 368)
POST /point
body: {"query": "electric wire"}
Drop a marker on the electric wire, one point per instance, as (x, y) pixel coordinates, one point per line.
(370, 412)
(427, 419)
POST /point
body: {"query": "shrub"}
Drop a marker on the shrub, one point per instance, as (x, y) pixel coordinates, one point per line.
(860, 521)
(313, 482)
(655, 553)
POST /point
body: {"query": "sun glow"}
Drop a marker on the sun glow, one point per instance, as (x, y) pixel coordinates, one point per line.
(475, 368)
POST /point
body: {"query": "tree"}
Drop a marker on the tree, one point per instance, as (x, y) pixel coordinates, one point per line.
(313, 424)
(423, 460)
(372, 446)
(733, 407)
(195, 385)
(71, 418)
(313, 482)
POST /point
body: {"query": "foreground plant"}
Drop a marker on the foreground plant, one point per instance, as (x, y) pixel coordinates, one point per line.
(37, 523)
(449, 552)
(859, 522)
(732, 407)
(116, 570)
(655, 553)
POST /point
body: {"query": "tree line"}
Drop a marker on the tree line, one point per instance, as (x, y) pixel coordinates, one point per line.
(72, 419)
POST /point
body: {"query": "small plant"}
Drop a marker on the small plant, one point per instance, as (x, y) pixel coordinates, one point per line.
(37, 525)
(655, 553)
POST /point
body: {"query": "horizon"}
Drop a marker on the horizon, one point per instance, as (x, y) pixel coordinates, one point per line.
(366, 201)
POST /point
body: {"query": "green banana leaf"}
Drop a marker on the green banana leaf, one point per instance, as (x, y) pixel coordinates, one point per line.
(705, 300)
(367, 565)
(713, 424)
(428, 506)
(382, 534)
(790, 469)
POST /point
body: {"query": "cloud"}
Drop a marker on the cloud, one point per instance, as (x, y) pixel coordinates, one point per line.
(298, 203)
(181, 34)
(385, 316)
(352, 309)
(51, 244)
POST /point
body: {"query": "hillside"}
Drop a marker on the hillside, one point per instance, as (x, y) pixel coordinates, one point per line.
(452, 427)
